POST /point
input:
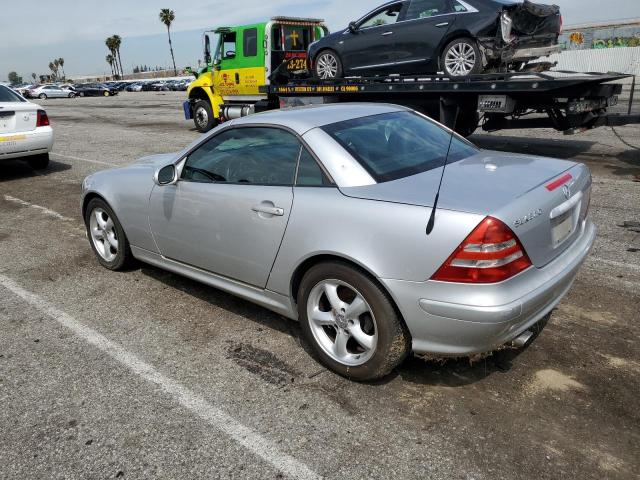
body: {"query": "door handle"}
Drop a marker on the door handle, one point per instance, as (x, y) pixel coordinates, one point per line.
(443, 24)
(276, 211)
(387, 33)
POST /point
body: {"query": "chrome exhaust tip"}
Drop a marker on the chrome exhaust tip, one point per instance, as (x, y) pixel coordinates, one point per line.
(521, 340)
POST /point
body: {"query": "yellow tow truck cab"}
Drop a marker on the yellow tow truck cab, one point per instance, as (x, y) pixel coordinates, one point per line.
(246, 58)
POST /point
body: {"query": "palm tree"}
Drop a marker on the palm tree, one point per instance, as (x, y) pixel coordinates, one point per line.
(109, 58)
(52, 67)
(61, 63)
(110, 43)
(167, 17)
(33, 75)
(117, 41)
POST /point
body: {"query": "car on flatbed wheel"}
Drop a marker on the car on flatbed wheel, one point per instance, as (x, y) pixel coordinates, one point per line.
(25, 131)
(457, 37)
(327, 215)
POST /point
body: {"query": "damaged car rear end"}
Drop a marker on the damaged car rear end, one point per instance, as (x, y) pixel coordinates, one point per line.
(524, 31)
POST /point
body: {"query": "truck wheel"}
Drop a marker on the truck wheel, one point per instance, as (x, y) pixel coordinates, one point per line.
(461, 57)
(327, 65)
(203, 116)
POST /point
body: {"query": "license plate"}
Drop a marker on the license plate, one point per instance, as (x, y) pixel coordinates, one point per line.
(13, 138)
(297, 64)
(562, 230)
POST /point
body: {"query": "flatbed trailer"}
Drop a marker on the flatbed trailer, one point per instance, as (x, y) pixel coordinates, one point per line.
(566, 101)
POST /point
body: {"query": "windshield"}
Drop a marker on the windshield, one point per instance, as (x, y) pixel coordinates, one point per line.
(399, 144)
(8, 95)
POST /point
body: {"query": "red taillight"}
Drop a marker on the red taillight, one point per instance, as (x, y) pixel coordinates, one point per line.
(492, 253)
(43, 119)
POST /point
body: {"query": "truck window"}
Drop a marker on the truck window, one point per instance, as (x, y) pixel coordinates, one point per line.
(229, 45)
(291, 38)
(250, 42)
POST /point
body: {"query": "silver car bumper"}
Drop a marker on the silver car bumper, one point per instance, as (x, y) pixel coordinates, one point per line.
(461, 319)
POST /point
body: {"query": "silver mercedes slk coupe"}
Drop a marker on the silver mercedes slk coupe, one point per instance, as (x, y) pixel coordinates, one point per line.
(325, 215)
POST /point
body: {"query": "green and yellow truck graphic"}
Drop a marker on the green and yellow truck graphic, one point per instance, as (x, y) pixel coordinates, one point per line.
(244, 59)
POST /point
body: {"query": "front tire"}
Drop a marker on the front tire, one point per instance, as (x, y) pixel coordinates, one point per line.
(350, 322)
(106, 94)
(39, 162)
(107, 238)
(203, 116)
(327, 65)
(72, 95)
(461, 58)
(42, 96)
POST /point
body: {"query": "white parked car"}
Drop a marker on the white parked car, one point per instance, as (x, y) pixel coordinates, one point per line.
(51, 91)
(24, 130)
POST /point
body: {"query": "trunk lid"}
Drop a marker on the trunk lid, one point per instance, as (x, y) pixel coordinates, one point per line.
(509, 187)
(530, 20)
(17, 117)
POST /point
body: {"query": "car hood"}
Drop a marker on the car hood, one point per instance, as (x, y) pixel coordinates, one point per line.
(482, 183)
(158, 160)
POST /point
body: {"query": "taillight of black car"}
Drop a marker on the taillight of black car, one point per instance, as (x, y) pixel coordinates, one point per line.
(43, 119)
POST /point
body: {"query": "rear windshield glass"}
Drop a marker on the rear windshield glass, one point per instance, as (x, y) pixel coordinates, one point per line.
(399, 144)
(8, 95)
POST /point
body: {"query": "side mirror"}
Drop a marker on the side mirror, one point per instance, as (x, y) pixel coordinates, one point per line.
(229, 55)
(166, 175)
(207, 50)
(353, 27)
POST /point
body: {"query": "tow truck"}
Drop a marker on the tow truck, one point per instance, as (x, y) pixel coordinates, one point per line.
(264, 66)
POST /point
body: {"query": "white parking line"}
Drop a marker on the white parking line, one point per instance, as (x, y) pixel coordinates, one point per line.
(215, 417)
(44, 210)
(71, 157)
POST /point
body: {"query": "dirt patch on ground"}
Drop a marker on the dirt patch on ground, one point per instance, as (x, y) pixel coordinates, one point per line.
(262, 363)
(553, 380)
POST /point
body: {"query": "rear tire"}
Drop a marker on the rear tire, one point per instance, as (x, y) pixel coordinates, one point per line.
(39, 162)
(327, 65)
(203, 116)
(375, 337)
(461, 58)
(109, 257)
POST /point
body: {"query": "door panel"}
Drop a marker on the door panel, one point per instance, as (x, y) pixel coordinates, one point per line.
(417, 41)
(226, 229)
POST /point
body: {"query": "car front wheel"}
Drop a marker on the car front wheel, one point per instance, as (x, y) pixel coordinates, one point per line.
(328, 65)
(350, 322)
(42, 96)
(72, 95)
(461, 58)
(107, 238)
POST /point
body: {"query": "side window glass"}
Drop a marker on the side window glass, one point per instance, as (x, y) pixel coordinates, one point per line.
(387, 16)
(255, 156)
(459, 8)
(229, 46)
(426, 8)
(250, 42)
(309, 172)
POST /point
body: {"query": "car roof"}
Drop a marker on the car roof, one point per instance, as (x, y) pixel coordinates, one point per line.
(303, 119)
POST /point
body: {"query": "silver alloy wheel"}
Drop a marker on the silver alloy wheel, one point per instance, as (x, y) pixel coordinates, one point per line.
(342, 322)
(202, 117)
(460, 59)
(327, 66)
(103, 234)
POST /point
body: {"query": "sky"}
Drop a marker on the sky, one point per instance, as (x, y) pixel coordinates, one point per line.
(75, 29)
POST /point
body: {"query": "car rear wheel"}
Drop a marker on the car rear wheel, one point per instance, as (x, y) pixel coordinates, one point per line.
(461, 58)
(106, 236)
(328, 65)
(203, 116)
(42, 96)
(350, 322)
(39, 162)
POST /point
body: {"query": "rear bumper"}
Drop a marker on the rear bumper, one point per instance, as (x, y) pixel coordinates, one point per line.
(530, 53)
(460, 319)
(26, 144)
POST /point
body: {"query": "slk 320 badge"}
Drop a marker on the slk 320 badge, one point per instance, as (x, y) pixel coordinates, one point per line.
(527, 218)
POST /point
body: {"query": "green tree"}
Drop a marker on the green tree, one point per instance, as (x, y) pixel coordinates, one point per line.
(14, 78)
(117, 42)
(167, 17)
(61, 63)
(110, 60)
(111, 45)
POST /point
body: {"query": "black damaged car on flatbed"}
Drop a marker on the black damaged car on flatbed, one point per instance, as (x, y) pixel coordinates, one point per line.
(456, 37)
